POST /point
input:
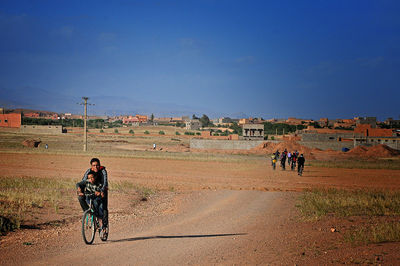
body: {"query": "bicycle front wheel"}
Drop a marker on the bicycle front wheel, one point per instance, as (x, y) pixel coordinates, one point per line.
(88, 227)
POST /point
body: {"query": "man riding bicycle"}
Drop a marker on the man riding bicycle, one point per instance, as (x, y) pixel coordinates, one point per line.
(102, 179)
(91, 187)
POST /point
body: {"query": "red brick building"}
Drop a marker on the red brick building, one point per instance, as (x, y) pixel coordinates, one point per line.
(369, 131)
(10, 120)
(130, 120)
(32, 115)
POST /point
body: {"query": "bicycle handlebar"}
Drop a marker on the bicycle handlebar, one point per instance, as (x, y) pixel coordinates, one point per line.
(91, 195)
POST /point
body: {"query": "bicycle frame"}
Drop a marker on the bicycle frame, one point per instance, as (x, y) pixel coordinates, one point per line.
(90, 223)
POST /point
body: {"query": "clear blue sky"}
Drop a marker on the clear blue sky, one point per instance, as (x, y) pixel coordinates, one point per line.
(308, 59)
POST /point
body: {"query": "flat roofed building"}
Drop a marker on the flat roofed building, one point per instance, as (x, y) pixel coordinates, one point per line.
(366, 120)
(193, 124)
(253, 131)
(10, 120)
(392, 123)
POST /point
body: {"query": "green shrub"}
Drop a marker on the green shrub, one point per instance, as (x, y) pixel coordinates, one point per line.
(177, 133)
(161, 132)
(272, 138)
(101, 131)
(131, 131)
(115, 130)
(198, 133)
(147, 132)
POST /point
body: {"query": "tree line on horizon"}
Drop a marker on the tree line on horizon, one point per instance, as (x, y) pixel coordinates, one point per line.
(269, 128)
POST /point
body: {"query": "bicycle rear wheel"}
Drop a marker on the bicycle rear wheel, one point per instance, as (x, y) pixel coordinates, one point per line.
(88, 227)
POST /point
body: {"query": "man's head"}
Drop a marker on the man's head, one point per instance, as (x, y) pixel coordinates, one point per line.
(92, 175)
(95, 164)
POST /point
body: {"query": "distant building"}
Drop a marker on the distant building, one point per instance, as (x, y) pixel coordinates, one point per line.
(223, 121)
(344, 123)
(253, 131)
(142, 118)
(323, 122)
(43, 115)
(32, 115)
(193, 124)
(134, 120)
(392, 123)
(186, 118)
(163, 120)
(368, 131)
(294, 121)
(366, 120)
(131, 120)
(177, 120)
(11, 120)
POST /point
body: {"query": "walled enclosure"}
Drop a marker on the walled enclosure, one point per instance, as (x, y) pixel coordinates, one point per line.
(39, 129)
(328, 145)
(323, 145)
(247, 145)
(224, 144)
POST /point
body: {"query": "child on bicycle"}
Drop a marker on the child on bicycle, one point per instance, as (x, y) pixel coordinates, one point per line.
(92, 186)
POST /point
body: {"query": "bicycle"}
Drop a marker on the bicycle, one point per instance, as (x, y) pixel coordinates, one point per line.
(273, 164)
(90, 223)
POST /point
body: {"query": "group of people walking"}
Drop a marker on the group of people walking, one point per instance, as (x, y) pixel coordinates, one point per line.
(292, 158)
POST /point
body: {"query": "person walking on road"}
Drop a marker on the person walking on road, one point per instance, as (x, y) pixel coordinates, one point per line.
(300, 164)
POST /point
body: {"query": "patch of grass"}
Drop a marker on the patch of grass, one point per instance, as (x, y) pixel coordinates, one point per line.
(391, 164)
(320, 202)
(122, 186)
(317, 203)
(385, 232)
(125, 186)
(19, 195)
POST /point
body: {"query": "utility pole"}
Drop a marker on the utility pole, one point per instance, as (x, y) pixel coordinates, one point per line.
(85, 99)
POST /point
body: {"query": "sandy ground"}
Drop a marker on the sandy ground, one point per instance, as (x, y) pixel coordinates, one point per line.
(205, 213)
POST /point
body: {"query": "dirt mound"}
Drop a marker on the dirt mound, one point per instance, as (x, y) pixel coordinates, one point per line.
(31, 143)
(382, 150)
(289, 145)
(358, 150)
(377, 151)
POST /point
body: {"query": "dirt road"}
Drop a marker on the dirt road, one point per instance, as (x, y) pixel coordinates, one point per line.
(211, 227)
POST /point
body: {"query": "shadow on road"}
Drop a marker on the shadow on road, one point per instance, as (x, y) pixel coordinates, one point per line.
(184, 236)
